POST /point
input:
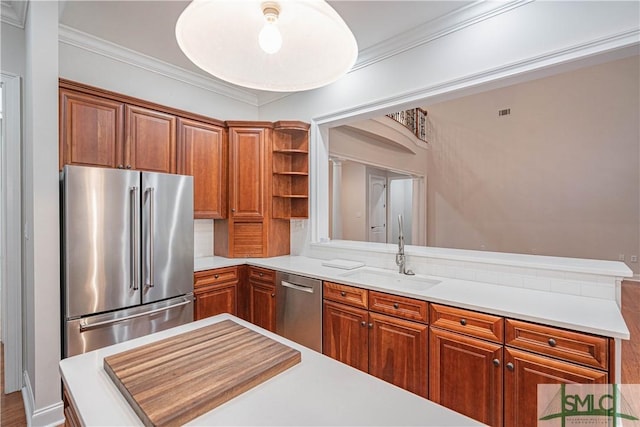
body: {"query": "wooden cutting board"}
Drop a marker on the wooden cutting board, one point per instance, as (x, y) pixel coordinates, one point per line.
(175, 380)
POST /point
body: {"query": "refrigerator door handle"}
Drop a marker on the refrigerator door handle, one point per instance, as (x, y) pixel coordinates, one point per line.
(151, 192)
(134, 240)
(86, 326)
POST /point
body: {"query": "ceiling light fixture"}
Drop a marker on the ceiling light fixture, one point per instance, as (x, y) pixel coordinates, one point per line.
(270, 39)
(283, 46)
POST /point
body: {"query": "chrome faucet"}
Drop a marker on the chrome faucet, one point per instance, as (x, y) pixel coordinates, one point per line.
(400, 257)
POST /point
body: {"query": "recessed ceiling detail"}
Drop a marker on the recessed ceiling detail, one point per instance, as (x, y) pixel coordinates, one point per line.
(282, 46)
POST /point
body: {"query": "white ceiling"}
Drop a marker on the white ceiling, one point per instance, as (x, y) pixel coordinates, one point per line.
(148, 27)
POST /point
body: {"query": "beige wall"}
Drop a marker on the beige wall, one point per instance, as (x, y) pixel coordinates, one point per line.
(558, 176)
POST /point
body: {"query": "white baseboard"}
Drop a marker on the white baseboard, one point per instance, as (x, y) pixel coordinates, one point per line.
(49, 416)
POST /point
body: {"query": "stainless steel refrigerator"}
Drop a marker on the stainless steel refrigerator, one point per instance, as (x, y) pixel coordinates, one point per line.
(127, 245)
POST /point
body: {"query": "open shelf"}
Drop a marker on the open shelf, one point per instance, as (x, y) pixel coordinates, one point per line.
(290, 170)
(291, 151)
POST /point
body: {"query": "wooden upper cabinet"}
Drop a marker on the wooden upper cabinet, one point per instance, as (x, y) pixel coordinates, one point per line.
(247, 172)
(90, 130)
(151, 140)
(202, 153)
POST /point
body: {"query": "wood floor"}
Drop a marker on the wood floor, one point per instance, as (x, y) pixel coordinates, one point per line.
(12, 409)
(631, 348)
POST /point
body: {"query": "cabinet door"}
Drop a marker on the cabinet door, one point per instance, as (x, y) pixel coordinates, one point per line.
(215, 300)
(262, 305)
(90, 130)
(524, 371)
(465, 374)
(151, 140)
(246, 172)
(202, 154)
(345, 335)
(398, 352)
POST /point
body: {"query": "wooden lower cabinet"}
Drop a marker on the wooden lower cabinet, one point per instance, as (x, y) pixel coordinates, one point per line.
(215, 292)
(262, 305)
(465, 374)
(524, 371)
(345, 335)
(71, 418)
(215, 300)
(398, 352)
(391, 349)
(261, 289)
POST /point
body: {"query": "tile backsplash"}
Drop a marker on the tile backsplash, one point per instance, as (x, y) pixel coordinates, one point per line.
(202, 238)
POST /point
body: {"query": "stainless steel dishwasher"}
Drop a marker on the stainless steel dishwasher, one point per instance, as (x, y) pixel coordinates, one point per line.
(299, 309)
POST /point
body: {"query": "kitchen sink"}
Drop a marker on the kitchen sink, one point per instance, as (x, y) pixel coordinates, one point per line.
(391, 279)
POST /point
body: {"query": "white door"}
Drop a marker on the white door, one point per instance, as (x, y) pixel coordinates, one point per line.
(377, 214)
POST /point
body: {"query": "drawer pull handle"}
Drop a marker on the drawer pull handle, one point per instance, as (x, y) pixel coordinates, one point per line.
(363, 323)
(260, 274)
(215, 276)
(496, 362)
(343, 294)
(552, 342)
(395, 305)
(463, 322)
(510, 366)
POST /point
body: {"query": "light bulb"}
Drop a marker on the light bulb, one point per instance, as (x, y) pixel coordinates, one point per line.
(269, 38)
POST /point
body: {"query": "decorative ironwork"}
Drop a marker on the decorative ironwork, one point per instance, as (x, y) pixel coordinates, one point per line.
(414, 119)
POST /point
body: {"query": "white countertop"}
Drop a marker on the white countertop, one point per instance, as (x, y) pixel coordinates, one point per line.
(317, 391)
(576, 265)
(591, 315)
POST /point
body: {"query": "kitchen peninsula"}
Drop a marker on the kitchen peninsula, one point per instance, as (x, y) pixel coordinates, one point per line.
(317, 391)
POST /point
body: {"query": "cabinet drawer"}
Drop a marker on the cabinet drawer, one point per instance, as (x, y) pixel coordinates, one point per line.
(468, 322)
(262, 275)
(345, 294)
(572, 346)
(219, 275)
(406, 308)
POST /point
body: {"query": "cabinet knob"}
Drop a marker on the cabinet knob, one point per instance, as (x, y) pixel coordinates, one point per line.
(260, 274)
(215, 276)
(233, 209)
(273, 295)
(128, 166)
(463, 322)
(552, 342)
(363, 323)
(343, 294)
(120, 166)
(510, 366)
(496, 362)
(395, 305)
(370, 325)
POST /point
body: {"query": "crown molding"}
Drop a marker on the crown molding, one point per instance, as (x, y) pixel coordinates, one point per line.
(14, 12)
(456, 20)
(609, 48)
(90, 43)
